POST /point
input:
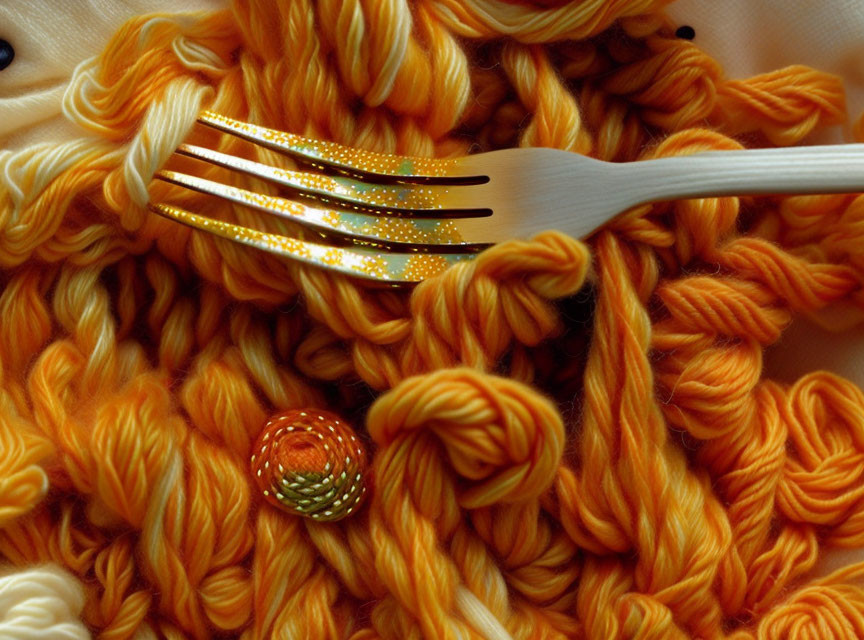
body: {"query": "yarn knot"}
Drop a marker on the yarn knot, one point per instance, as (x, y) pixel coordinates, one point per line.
(498, 433)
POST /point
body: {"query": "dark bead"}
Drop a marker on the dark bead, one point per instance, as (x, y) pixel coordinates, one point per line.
(7, 54)
(686, 32)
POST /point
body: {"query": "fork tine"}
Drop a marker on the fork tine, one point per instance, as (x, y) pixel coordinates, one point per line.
(394, 234)
(394, 268)
(347, 160)
(399, 200)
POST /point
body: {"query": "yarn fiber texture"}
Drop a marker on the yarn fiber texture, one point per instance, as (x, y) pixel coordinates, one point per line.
(42, 601)
(568, 438)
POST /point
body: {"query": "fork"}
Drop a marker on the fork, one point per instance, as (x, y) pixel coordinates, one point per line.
(400, 219)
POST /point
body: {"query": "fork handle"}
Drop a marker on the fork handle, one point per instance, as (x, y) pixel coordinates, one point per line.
(789, 170)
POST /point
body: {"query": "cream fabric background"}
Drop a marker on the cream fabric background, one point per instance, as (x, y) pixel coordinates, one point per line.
(50, 38)
(746, 36)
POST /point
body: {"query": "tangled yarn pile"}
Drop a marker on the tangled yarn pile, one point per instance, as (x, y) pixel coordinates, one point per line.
(568, 439)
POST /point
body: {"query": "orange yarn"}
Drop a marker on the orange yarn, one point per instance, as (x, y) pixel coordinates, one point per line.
(571, 439)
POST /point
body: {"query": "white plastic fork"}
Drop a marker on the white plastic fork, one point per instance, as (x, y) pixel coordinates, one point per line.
(399, 219)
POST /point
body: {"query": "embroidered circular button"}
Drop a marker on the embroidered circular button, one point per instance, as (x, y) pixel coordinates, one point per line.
(309, 462)
(7, 54)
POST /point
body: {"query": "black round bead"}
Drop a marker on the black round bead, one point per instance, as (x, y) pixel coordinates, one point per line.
(7, 54)
(687, 32)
